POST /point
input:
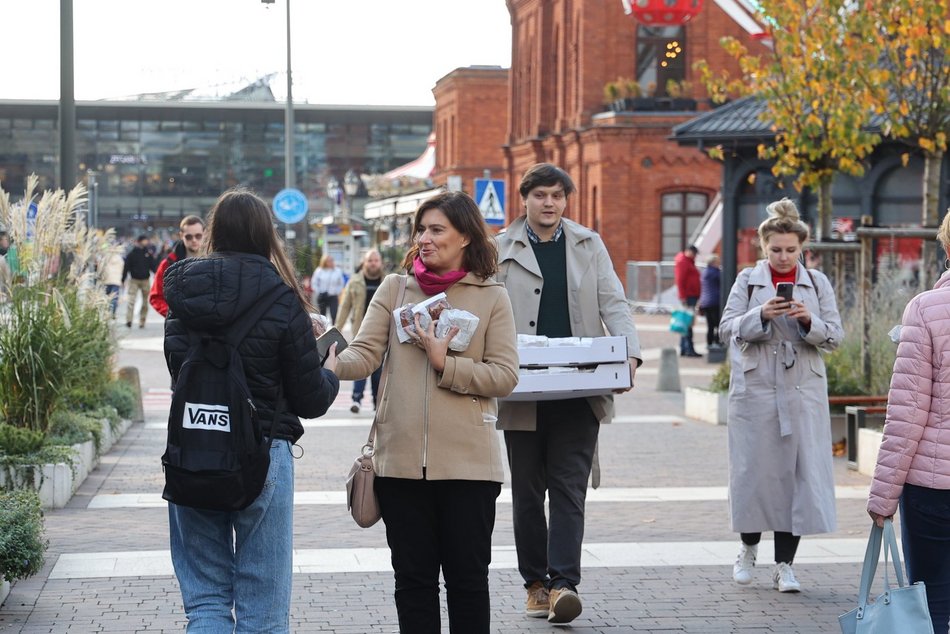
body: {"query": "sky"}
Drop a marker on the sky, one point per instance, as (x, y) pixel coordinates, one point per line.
(374, 52)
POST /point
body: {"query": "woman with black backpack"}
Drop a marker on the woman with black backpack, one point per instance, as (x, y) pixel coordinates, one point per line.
(234, 566)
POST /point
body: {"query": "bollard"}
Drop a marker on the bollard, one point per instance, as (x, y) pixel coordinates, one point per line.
(130, 374)
(668, 379)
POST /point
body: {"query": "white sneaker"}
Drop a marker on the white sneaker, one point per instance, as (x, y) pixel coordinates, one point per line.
(783, 579)
(355, 407)
(745, 562)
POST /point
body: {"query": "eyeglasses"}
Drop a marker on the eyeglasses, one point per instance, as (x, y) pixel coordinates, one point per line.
(193, 236)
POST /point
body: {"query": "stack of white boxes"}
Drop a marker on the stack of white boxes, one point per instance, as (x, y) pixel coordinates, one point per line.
(588, 366)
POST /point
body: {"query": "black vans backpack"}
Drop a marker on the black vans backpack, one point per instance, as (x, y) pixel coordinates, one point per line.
(217, 455)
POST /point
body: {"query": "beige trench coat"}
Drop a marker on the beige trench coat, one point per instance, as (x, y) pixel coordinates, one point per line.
(595, 299)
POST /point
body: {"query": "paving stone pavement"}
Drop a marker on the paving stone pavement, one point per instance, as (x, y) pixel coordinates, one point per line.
(674, 452)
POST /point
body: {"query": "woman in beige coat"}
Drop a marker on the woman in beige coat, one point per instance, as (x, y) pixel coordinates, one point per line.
(438, 458)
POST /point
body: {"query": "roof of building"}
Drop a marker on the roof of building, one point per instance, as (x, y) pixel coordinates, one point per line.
(734, 121)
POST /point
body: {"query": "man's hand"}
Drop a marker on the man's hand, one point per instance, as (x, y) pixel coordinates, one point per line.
(633, 373)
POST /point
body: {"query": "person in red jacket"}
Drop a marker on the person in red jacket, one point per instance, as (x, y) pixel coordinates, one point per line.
(688, 287)
(191, 231)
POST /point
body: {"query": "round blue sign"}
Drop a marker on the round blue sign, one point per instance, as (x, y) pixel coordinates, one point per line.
(290, 205)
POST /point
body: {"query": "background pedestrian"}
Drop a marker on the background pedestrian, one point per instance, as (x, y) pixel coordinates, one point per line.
(327, 282)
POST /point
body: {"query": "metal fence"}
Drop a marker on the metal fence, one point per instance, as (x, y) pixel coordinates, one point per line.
(651, 286)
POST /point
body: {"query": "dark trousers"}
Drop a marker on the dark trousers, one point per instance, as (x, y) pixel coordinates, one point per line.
(556, 458)
(433, 524)
(328, 304)
(786, 545)
(713, 315)
(686, 339)
(925, 533)
(359, 386)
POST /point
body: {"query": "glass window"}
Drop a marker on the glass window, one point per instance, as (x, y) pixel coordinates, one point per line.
(661, 56)
(899, 196)
(682, 214)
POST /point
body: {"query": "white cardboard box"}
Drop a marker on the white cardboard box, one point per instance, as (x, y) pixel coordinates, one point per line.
(598, 350)
(603, 379)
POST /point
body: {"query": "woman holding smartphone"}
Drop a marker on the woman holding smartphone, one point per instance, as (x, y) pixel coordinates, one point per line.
(780, 466)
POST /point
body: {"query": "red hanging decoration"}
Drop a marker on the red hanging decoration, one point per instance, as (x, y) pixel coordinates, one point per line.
(664, 12)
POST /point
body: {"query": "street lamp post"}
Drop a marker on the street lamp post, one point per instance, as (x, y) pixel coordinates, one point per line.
(290, 172)
(351, 185)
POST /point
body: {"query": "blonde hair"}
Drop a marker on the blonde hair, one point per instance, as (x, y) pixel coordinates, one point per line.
(943, 233)
(783, 218)
(325, 260)
(712, 259)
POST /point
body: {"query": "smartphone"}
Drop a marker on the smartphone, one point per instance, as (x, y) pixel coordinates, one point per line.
(327, 339)
(784, 290)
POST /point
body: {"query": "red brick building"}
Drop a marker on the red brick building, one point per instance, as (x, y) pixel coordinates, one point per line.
(643, 193)
(470, 123)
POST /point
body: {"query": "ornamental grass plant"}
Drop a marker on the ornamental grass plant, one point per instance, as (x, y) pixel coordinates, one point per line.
(56, 342)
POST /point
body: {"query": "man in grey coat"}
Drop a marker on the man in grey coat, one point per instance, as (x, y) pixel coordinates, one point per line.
(562, 284)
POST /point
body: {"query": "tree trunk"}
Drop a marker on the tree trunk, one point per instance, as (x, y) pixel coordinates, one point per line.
(823, 226)
(930, 217)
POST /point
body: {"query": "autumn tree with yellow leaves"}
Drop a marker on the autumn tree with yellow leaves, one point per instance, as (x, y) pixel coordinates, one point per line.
(902, 48)
(819, 111)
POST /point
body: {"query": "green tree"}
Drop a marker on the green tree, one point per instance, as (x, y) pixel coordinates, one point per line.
(902, 49)
(818, 111)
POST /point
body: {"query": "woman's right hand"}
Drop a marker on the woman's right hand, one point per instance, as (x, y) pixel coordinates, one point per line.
(775, 307)
(330, 363)
(879, 519)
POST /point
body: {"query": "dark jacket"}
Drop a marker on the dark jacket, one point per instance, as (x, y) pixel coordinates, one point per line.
(139, 263)
(710, 285)
(210, 293)
(156, 296)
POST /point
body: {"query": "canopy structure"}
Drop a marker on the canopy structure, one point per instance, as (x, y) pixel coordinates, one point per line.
(410, 177)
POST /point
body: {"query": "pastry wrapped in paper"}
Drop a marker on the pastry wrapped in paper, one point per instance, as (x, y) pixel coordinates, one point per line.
(467, 324)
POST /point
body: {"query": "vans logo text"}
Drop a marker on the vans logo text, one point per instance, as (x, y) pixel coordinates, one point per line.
(208, 417)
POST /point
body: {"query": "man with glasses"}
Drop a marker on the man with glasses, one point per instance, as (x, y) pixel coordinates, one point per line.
(190, 233)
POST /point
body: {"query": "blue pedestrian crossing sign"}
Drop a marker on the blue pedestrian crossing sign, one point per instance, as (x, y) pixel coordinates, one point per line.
(490, 196)
(290, 205)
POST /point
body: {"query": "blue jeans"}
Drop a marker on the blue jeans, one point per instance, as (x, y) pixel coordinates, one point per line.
(241, 560)
(112, 291)
(359, 386)
(925, 534)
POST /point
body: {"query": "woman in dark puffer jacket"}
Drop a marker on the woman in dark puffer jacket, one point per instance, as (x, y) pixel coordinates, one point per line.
(242, 560)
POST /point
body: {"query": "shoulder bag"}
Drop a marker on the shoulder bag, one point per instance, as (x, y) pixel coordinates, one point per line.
(902, 608)
(360, 495)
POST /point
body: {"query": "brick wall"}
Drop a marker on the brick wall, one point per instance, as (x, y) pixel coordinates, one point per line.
(471, 122)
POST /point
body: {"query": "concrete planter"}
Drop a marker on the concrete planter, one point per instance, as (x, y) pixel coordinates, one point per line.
(707, 406)
(4, 589)
(56, 483)
(869, 443)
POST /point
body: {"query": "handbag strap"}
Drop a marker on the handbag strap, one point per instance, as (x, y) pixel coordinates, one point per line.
(871, 556)
(382, 375)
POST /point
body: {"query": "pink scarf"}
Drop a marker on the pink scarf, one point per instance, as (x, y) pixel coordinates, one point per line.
(429, 282)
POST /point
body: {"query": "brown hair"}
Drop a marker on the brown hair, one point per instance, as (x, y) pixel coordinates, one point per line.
(480, 256)
(545, 175)
(783, 218)
(240, 221)
(190, 220)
